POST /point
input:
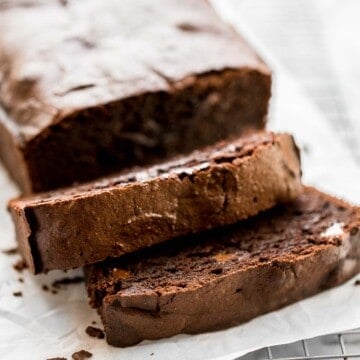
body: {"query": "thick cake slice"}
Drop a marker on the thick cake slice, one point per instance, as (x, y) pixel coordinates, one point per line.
(148, 79)
(226, 276)
(216, 186)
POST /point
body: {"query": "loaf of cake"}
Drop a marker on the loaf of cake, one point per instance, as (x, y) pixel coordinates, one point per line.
(230, 275)
(82, 97)
(218, 185)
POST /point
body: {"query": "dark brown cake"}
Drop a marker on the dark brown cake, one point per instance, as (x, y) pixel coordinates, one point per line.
(227, 276)
(148, 79)
(216, 186)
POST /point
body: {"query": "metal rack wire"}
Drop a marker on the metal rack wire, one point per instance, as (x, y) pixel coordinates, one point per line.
(335, 346)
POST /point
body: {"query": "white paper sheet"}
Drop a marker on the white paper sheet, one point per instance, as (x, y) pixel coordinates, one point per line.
(41, 325)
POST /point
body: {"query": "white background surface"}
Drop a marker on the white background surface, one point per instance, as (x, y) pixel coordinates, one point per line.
(40, 325)
(317, 41)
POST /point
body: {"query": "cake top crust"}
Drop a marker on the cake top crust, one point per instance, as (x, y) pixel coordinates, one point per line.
(87, 53)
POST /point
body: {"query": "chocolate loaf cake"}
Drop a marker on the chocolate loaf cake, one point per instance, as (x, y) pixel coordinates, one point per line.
(216, 186)
(148, 79)
(227, 276)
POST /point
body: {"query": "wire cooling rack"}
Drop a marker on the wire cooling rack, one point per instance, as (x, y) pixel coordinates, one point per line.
(302, 51)
(341, 346)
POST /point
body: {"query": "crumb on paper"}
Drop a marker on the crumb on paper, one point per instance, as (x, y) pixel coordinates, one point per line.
(20, 265)
(11, 251)
(17, 293)
(95, 332)
(81, 355)
(67, 281)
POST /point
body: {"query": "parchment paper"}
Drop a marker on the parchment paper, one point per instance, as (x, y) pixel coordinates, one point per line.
(41, 325)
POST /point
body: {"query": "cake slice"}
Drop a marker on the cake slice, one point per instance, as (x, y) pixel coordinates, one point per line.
(230, 275)
(148, 79)
(216, 186)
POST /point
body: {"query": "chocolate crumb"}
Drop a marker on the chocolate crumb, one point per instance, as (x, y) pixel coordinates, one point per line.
(54, 292)
(20, 279)
(357, 282)
(67, 281)
(151, 354)
(93, 322)
(17, 293)
(11, 251)
(81, 355)
(57, 358)
(20, 266)
(45, 288)
(95, 332)
(187, 27)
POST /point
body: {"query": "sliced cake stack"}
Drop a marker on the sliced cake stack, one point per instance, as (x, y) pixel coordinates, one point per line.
(210, 226)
